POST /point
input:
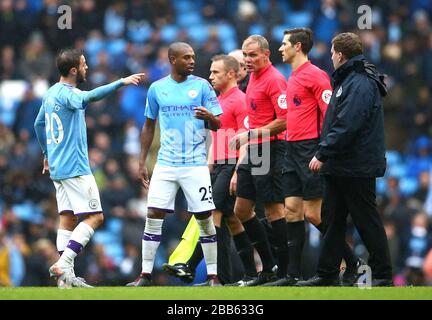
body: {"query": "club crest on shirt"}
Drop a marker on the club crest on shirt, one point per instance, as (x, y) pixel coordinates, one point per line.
(192, 93)
(282, 101)
(339, 92)
(326, 95)
(297, 100)
(253, 105)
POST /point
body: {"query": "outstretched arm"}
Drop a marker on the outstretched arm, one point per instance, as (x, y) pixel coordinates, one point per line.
(102, 91)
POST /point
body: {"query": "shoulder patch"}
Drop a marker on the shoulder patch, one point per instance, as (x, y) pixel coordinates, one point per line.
(282, 101)
(326, 95)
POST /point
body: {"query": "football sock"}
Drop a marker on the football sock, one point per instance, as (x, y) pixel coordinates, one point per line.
(246, 252)
(258, 236)
(78, 240)
(281, 245)
(62, 240)
(150, 243)
(296, 239)
(209, 244)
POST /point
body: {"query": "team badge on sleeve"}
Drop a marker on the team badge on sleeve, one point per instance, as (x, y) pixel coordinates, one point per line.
(282, 101)
(326, 95)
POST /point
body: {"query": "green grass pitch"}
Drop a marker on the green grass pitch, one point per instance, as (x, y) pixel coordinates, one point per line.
(219, 293)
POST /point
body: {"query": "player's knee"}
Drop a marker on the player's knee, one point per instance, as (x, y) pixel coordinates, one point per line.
(313, 217)
(155, 213)
(243, 214)
(95, 220)
(234, 224)
(68, 222)
(293, 214)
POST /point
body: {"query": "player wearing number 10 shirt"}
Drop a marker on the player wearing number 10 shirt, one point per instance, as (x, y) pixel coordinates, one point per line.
(61, 131)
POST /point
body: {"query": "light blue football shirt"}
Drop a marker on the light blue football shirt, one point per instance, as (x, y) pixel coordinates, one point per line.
(182, 141)
(62, 116)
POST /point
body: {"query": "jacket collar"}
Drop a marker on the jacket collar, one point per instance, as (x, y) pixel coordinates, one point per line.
(352, 64)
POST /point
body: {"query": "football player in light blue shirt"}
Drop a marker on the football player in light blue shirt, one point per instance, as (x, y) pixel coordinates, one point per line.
(185, 105)
(61, 131)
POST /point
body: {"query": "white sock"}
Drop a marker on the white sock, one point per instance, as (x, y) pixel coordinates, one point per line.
(62, 240)
(78, 240)
(209, 244)
(150, 243)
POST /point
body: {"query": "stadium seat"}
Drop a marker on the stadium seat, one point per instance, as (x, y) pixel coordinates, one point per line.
(381, 185)
(277, 31)
(198, 33)
(115, 251)
(114, 225)
(188, 19)
(408, 186)
(397, 170)
(393, 157)
(298, 19)
(139, 32)
(257, 28)
(169, 33)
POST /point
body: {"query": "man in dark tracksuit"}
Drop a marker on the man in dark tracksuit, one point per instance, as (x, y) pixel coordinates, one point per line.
(350, 156)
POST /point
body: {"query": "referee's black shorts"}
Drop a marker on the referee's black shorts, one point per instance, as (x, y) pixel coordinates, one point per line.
(299, 180)
(259, 176)
(221, 178)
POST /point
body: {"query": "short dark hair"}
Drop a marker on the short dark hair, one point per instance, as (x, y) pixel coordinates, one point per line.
(67, 59)
(348, 43)
(230, 63)
(302, 35)
(176, 48)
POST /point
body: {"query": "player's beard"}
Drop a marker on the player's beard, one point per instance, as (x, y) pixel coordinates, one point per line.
(81, 77)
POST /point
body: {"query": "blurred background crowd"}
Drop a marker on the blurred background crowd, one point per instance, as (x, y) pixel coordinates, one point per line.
(124, 37)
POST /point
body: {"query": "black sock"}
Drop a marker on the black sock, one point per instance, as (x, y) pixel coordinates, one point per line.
(196, 257)
(296, 239)
(223, 256)
(258, 236)
(348, 254)
(281, 245)
(246, 253)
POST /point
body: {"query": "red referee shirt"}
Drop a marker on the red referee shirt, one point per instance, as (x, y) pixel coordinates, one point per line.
(233, 119)
(308, 94)
(265, 99)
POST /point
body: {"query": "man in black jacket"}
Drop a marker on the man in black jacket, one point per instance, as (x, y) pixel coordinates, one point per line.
(350, 156)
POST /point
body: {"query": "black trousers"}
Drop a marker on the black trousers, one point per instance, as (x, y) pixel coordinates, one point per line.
(357, 197)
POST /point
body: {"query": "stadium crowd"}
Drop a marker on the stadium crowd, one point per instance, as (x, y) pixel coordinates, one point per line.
(124, 37)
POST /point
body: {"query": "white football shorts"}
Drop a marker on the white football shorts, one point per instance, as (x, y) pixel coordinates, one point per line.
(78, 194)
(194, 181)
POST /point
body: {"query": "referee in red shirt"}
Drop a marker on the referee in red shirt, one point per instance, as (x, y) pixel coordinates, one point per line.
(260, 175)
(308, 94)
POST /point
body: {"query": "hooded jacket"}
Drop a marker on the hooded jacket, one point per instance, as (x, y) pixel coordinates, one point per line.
(352, 140)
